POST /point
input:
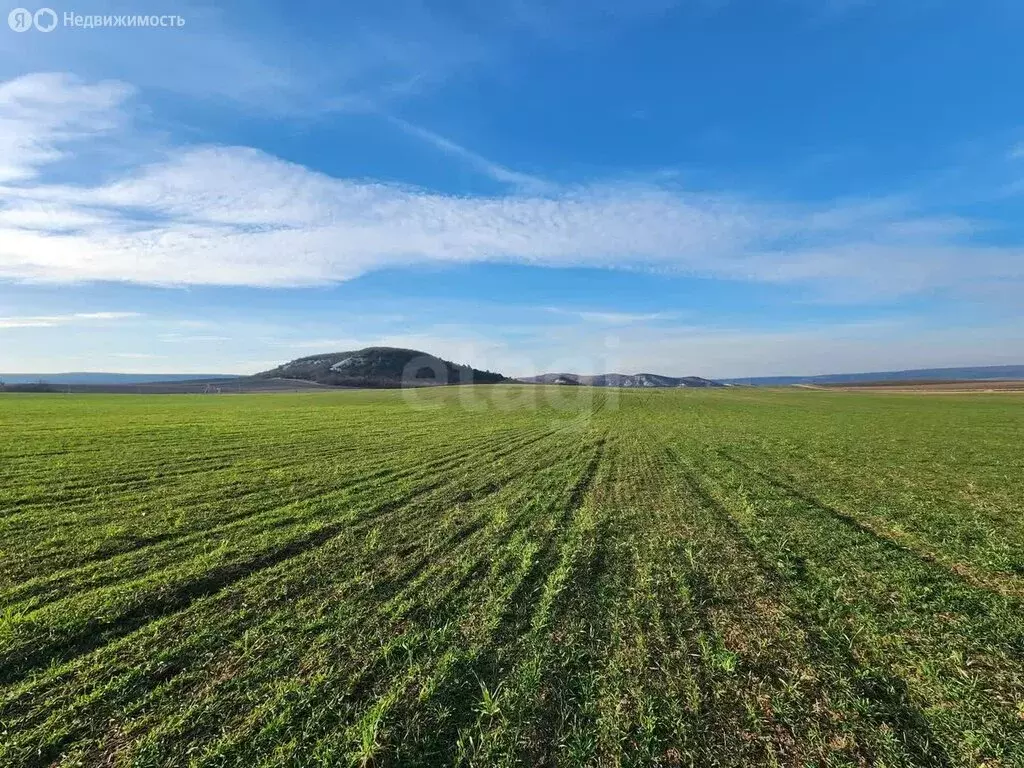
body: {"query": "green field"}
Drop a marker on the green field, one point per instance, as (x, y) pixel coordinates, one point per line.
(512, 576)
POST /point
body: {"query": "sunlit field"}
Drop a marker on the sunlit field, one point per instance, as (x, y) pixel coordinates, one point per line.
(512, 576)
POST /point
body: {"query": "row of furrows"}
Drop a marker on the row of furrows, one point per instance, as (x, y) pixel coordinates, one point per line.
(294, 577)
(150, 439)
(434, 643)
(931, 508)
(360, 597)
(83, 621)
(511, 658)
(815, 557)
(579, 697)
(78, 570)
(927, 544)
(792, 706)
(328, 458)
(799, 704)
(368, 482)
(634, 662)
(652, 680)
(591, 572)
(425, 729)
(938, 589)
(174, 451)
(303, 458)
(655, 682)
(727, 661)
(648, 596)
(93, 483)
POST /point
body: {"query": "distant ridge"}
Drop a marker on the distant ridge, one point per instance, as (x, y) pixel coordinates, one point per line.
(649, 380)
(101, 378)
(383, 367)
(976, 373)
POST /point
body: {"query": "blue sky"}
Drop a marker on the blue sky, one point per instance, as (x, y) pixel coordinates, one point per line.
(712, 187)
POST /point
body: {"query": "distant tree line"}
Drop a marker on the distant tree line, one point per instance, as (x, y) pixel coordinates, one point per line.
(35, 386)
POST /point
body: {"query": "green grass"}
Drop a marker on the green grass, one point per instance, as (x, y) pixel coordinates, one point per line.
(512, 576)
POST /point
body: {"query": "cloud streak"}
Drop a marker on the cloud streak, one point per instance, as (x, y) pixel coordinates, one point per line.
(496, 171)
(51, 321)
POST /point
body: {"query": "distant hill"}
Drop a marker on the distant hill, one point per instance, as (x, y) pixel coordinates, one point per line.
(621, 380)
(380, 367)
(233, 385)
(917, 374)
(99, 378)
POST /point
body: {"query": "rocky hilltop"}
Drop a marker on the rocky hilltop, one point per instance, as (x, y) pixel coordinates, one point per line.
(385, 367)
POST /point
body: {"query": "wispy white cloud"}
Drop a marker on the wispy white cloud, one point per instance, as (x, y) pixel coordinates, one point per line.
(39, 321)
(50, 321)
(41, 114)
(236, 216)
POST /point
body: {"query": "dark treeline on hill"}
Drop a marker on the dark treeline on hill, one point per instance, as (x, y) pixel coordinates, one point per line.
(384, 367)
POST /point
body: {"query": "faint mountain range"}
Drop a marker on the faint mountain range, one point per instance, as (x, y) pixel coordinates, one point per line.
(100, 378)
(650, 380)
(976, 373)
